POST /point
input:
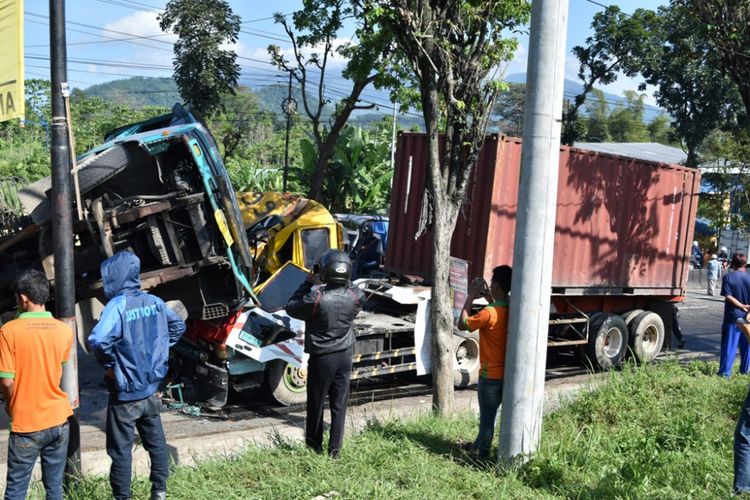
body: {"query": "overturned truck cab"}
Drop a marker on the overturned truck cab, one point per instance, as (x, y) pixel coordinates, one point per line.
(156, 188)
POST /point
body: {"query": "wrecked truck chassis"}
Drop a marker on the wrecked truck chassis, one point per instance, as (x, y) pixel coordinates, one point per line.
(258, 348)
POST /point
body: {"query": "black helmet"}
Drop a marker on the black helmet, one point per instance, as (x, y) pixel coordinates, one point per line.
(335, 267)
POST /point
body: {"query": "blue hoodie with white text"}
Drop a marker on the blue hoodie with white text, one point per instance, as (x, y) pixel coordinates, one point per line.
(135, 331)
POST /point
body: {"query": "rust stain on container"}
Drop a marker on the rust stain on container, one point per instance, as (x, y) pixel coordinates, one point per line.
(622, 223)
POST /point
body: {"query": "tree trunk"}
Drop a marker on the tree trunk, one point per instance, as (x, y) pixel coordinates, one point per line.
(327, 146)
(443, 222)
(692, 156)
(441, 312)
(321, 164)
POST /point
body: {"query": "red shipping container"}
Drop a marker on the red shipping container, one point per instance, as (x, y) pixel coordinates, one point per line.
(624, 226)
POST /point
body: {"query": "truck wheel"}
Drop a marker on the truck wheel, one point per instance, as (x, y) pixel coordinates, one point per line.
(287, 383)
(465, 359)
(646, 336)
(629, 316)
(608, 341)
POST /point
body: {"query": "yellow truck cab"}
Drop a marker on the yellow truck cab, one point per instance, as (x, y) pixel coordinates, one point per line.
(283, 227)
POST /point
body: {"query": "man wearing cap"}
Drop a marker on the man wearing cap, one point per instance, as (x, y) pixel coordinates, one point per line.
(713, 269)
(328, 312)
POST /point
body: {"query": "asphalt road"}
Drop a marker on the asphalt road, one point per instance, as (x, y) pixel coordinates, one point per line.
(700, 321)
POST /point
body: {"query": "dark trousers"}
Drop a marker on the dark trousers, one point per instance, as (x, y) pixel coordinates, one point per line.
(490, 394)
(23, 449)
(122, 420)
(327, 374)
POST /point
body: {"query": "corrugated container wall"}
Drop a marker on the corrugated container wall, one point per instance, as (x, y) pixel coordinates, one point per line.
(623, 225)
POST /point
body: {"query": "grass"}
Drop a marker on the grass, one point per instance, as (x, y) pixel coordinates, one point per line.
(653, 432)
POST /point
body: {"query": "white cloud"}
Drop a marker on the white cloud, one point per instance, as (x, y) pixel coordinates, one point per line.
(571, 68)
(518, 63)
(141, 23)
(147, 50)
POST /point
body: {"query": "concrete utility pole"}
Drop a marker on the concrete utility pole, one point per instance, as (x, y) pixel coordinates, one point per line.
(523, 392)
(62, 220)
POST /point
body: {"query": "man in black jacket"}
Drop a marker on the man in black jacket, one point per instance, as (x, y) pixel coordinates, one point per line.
(328, 312)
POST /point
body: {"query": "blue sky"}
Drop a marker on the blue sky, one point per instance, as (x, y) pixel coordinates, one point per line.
(103, 43)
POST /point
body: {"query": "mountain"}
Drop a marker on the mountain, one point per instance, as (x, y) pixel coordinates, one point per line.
(138, 91)
(144, 91)
(572, 88)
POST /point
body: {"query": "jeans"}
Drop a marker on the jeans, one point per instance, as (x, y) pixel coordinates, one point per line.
(742, 449)
(122, 420)
(24, 448)
(490, 396)
(328, 374)
(731, 336)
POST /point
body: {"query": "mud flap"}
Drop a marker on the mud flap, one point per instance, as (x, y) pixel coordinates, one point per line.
(211, 384)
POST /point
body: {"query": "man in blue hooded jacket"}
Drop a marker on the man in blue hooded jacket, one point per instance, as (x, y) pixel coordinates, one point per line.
(132, 341)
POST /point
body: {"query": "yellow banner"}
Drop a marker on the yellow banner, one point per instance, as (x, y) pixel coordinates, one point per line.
(11, 60)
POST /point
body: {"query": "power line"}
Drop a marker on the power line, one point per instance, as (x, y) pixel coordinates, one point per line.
(130, 5)
(91, 42)
(269, 18)
(106, 37)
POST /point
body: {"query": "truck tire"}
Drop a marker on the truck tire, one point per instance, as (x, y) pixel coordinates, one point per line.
(608, 341)
(629, 316)
(287, 383)
(465, 359)
(646, 336)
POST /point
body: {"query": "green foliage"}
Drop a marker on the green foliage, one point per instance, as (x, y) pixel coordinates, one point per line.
(653, 432)
(204, 69)
(662, 431)
(93, 117)
(257, 164)
(666, 47)
(24, 150)
(726, 156)
(240, 121)
(626, 122)
(661, 130)
(359, 173)
(598, 118)
(619, 40)
(317, 26)
(725, 25)
(507, 113)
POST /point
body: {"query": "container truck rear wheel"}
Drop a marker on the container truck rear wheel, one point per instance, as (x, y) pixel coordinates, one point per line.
(465, 359)
(287, 383)
(629, 316)
(646, 336)
(608, 341)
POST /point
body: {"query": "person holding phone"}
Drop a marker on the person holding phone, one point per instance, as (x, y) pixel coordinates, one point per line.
(328, 312)
(492, 323)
